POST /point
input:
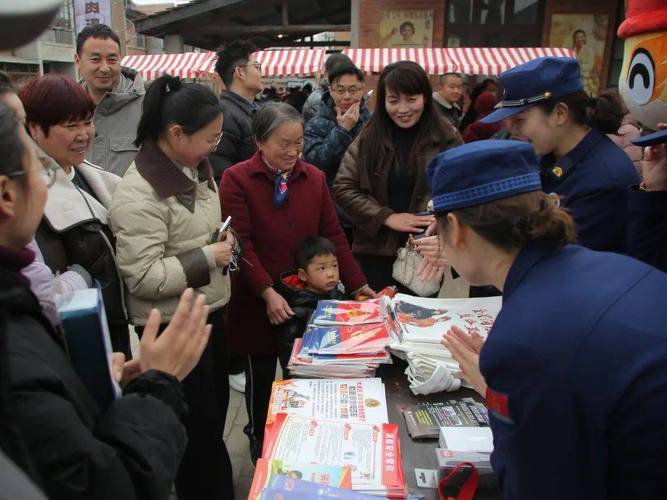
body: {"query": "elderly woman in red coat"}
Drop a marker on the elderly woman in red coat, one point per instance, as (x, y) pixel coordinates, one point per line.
(275, 200)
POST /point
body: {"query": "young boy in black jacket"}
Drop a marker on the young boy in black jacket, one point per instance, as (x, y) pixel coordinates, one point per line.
(316, 278)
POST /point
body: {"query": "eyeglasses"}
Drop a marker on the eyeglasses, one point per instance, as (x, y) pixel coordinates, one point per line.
(255, 64)
(217, 141)
(50, 172)
(340, 91)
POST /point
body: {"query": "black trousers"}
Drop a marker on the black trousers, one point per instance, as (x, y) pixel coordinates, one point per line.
(260, 374)
(236, 363)
(120, 339)
(206, 470)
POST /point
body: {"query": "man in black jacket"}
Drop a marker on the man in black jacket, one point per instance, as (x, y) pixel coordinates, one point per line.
(239, 70)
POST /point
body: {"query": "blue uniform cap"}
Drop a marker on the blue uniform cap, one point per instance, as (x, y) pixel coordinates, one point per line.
(537, 80)
(480, 172)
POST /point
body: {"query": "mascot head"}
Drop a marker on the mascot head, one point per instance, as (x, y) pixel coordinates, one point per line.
(643, 80)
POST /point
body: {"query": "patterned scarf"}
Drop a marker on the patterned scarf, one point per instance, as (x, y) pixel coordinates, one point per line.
(280, 185)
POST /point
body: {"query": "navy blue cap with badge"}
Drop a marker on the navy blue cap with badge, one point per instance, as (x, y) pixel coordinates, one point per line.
(537, 80)
(480, 172)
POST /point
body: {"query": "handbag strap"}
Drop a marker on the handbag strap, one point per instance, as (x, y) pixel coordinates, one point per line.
(466, 491)
(409, 264)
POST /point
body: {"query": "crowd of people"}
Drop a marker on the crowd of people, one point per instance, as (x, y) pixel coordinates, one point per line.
(105, 182)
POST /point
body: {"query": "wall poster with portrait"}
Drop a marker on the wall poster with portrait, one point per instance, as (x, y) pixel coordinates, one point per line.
(586, 35)
(406, 28)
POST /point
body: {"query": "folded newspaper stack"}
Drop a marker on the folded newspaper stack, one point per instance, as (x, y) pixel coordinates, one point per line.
(343, 339)
(421, 324)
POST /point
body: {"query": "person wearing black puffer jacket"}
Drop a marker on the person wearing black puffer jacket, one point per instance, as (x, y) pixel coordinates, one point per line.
(340, 118)
(315, 279)
(241, 73)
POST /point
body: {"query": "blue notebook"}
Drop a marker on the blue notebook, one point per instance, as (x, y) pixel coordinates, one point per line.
(88, 344)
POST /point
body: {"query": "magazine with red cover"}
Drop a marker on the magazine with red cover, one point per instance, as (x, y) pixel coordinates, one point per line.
(339, 339)
(349, 312)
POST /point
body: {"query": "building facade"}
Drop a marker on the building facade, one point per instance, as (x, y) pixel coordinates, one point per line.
(587, 26)
(53, 51)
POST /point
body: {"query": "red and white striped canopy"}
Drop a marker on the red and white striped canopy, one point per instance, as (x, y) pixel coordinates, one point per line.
(281, 62)
(191, 65)
(151, 66)
(467, 60)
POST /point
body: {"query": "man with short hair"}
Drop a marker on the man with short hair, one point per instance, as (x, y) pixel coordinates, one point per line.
(239, 70)
(118, 94)
(340, 118)
(448, 96)
(312, 105)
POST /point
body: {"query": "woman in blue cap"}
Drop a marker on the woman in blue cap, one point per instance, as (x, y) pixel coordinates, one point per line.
(573, 370)
(545, 102)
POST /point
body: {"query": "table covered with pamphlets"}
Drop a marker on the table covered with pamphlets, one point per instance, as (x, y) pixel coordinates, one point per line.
(374, 406)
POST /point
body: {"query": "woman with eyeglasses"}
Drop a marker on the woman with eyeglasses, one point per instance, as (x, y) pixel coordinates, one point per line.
(166, 217)
(381, 184)
(74, 230)
(276, 201)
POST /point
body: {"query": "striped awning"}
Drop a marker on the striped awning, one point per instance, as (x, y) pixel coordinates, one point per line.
(151, 66)
(467, 60)
(295, 62)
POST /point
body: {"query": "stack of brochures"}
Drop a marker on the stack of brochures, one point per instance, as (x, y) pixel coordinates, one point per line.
(421, 324)
(326, 435)
(349, 400)
(371, 451)
(274, 481)
(343, 339)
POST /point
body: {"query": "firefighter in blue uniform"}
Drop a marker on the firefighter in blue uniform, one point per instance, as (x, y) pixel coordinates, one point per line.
(545, 102)
(574, 370)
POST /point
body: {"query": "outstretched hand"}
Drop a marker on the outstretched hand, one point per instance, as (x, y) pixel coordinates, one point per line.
(178, 349)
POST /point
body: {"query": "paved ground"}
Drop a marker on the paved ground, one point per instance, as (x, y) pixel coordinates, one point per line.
(237, 445)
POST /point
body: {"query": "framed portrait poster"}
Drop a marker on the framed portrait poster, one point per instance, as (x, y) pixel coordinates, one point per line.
(406, 28)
